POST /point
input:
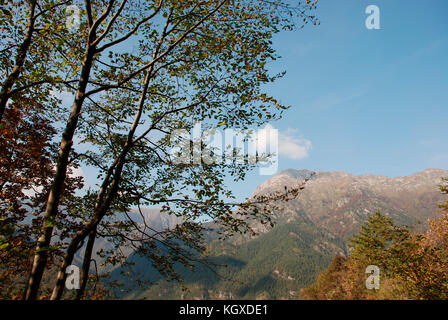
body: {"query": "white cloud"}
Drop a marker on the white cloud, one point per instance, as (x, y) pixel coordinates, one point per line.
(289, 144)
(292, 146)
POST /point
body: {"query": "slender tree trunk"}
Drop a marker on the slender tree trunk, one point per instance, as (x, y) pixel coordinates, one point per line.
(20, 60)
(86, 265)
(101, 207)
(71, 251)
(41, 254)
(58, 289)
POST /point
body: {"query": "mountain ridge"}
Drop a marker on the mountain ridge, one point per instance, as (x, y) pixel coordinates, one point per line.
(309, 231)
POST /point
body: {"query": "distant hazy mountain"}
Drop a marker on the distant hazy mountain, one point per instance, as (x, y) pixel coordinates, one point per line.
(153, 217)
(309, 231)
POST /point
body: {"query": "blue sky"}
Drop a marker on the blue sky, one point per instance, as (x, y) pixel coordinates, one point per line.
(369, 101)
(363, 101)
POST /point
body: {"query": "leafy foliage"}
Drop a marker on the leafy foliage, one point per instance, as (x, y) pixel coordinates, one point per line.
(412, 265)
(26, 167)
(140, 70)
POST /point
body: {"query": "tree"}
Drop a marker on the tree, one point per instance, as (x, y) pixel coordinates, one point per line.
(26, 168)
(33, 51)
(426, 275)
(444, 189)
(220, 51)
(22, 51)
(98, 29)
(379, 242)
(377, 236)
(422, 265)
(329, 283)
(412, 265)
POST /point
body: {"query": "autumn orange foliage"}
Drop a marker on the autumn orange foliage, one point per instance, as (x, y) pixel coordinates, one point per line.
(413, 265)
(26, 168)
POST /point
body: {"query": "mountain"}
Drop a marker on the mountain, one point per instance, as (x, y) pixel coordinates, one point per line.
(309, 231)
(340, 202)
(152, 217)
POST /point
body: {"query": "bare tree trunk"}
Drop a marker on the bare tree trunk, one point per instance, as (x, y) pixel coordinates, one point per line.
(101, 207)
(41, 254)
(20, 60)
(82, 234)
(51, 210)
(86, 265)
(71, 250)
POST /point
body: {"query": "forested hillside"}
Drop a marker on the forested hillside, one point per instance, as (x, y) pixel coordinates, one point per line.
(281, 261)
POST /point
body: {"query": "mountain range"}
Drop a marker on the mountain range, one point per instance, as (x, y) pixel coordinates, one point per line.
(309, 230)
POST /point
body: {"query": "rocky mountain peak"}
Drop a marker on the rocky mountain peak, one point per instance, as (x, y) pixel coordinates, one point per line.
(286, 178)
